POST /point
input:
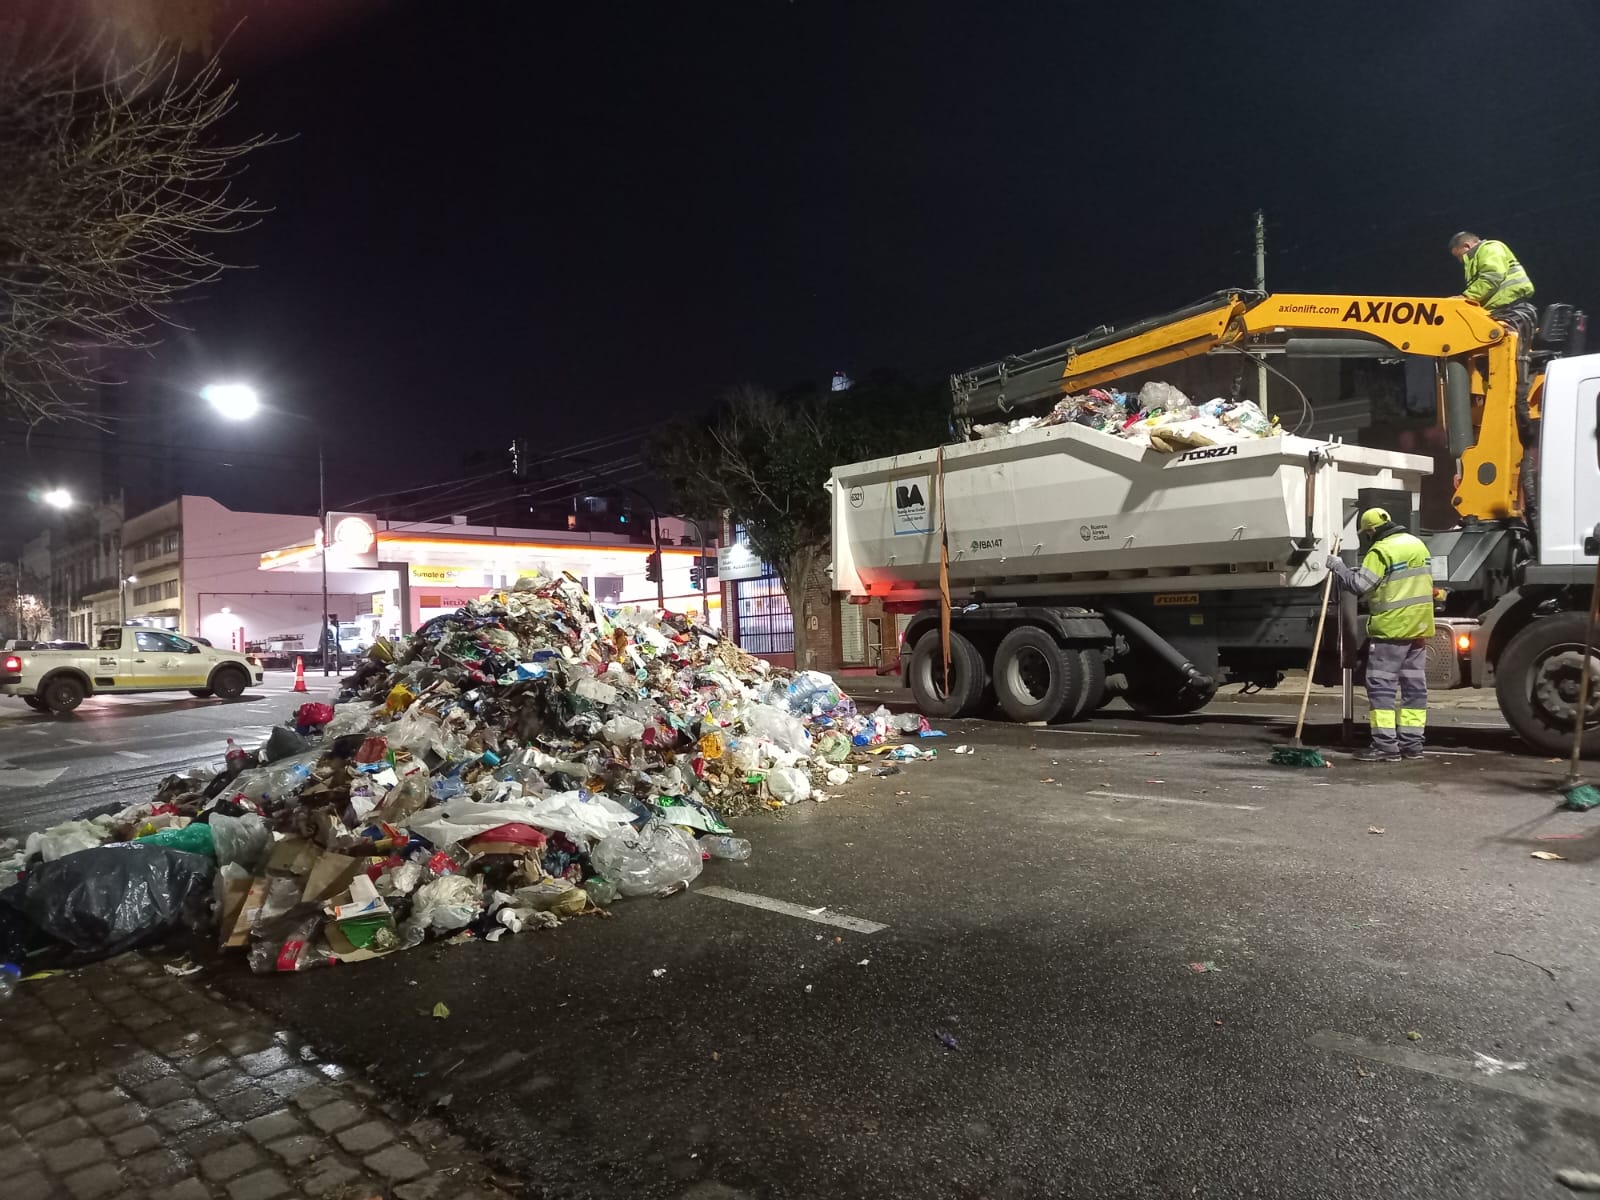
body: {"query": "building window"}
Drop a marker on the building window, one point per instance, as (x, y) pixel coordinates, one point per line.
(766, 626)
(169, 543)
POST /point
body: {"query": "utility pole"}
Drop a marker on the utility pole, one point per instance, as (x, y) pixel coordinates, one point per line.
(1261, 286)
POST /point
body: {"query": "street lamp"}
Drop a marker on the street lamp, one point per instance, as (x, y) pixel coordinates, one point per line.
(57, 498)
(239, 402)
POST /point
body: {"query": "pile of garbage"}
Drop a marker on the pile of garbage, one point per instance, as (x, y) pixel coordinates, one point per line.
(529, 758)
(1159, 416)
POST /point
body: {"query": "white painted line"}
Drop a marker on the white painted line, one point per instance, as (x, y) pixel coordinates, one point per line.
(130, 754)
(16, 777)
(1174, 800)
(1085, 732)
(79, 742)
(1557, 1095)
(822, 916)
(1451, 753)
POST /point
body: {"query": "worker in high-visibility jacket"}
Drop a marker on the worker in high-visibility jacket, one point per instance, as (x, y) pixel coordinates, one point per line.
(1496, 281)
(1397, 581)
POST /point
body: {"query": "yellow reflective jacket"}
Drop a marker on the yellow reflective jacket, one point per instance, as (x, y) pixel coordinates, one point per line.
(1494, 276)
(1397, 581)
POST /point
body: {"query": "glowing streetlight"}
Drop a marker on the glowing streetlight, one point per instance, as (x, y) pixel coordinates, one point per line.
(236, 401)
(57, 498)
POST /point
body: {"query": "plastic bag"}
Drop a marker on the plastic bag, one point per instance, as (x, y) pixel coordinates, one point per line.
(291, 942)
(282, 743)
(194, 837)
(281, 780)
(623, 731)
(446, 904)
(406, 799)
(789, 784)
(657, 861)
(245, 840)
(348, 719)
(66, 838)
(1163, 396)
(576, 814)
(776, 726)
(105, 900)
(400, 881)
(313, 715)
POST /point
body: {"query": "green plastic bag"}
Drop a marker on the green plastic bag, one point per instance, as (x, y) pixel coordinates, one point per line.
(194, 837)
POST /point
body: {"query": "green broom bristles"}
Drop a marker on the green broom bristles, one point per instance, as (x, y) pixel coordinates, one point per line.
(1297, 756)
(1582, 798)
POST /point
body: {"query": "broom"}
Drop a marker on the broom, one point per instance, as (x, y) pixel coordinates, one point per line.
(1297, 754)
(1581, 796)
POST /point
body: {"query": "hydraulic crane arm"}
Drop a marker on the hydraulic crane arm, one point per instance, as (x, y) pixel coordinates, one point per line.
(1477, 357)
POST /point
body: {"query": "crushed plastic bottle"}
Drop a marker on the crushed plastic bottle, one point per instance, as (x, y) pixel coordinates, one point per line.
(722, 846)
(602, 892)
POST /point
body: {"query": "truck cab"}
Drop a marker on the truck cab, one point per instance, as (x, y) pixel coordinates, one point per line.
(125, 660)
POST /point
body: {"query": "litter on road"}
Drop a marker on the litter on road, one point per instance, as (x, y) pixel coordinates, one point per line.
(527, 759)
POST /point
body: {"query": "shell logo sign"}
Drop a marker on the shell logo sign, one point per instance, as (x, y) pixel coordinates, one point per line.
(352, 540)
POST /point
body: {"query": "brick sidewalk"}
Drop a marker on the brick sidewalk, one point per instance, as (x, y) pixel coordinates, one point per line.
(120, 1081)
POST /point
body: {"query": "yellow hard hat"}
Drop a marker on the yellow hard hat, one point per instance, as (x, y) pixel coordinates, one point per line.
(1373, 518)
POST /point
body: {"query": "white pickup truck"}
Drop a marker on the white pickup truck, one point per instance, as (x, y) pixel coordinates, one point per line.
(127, 660)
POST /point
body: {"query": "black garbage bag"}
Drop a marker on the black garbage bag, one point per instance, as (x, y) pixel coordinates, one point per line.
(283, 742)
(101, 902)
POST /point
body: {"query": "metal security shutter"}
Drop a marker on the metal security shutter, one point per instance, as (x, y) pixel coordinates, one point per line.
(852, 638)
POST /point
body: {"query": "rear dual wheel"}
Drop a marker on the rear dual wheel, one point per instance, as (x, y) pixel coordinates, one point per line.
(1038, 679)
(965, 693)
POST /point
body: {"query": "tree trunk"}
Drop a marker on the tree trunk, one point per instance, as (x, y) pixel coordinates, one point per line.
(798, 573)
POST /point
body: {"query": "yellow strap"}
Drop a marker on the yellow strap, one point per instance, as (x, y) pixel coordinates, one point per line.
(1383, 718)
(1413, 718)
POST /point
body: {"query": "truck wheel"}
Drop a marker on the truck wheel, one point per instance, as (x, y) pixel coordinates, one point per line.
(62, 694)
(927, 676)
(229, 682)
(35, 703)
(1037, 679)
(1536, 682)
(1095, 695)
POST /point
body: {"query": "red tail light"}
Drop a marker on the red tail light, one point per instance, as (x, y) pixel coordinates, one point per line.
(12, 663)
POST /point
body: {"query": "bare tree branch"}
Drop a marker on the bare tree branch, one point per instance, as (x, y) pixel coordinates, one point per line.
(115, 182)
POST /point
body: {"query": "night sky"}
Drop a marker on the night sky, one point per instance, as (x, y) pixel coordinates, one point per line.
(570, 221)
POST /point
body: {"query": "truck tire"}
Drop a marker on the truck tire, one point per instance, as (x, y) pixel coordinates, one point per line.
(1037, 679)
(1156, 692)
(1536, 682)
(229, 682)
(35, 703)
(966, 676)
(1095, 695)
(62, 693)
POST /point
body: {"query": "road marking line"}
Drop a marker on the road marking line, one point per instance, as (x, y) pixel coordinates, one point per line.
(822, 916)
(18, 777)
(130, 754)
(1557, 1095)
(79, 742)
(1451, 753)
(1174, 800)
(1085, 732)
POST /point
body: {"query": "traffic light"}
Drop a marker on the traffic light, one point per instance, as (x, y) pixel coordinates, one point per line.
(652, 566)
(697, 577)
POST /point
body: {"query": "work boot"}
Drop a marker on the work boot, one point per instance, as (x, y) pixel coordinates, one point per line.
(1375, 754)
(1412, 752)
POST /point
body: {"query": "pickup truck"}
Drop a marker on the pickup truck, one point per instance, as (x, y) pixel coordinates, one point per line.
(127, 660)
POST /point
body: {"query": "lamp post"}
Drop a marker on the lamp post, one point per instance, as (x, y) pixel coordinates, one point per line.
(239, 402)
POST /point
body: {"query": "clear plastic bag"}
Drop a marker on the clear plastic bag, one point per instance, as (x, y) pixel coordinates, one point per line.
(292, 942)
(448, 903)
(244, 840)
(789, 784)
(657, 861)
(282, 779)
(623, 731)
(776, 726)
(67, 838)
(406, 799)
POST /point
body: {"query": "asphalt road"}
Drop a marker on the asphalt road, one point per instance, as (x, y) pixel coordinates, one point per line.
(1026, 1022)
(120, 747)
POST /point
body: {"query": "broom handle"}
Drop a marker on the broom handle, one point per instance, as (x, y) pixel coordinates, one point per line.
(1316, 645)
(1583, 682)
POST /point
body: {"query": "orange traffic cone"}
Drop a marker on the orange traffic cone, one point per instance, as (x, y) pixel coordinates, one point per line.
(299, 674)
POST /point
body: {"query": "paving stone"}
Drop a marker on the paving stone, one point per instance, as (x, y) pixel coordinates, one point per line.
(144, 1020)
(274, 1125)
(341, 1114)
(205, 1064)
(135, 1141)
(246, 1104)
(265, 1062)
(59, 1133)
(206, 1139)
(189, 1189)
(162, 1091)
(16, 1069)
(247, 1041)
(427, 1131)
(315, 1096)
(223, 1082)
(301, 1148)
(142, 1069)
(115, 1120)
(263, 1185)
(34, 1186)
(328, 1176)
(160, 1167)
(41, 1112)
(98, 1100)
(438, 1186)
(362, 1139)
(74, 1155)
(234, 1160)
(95, 1183)
(397, 1163)
(185, 1114)
(290, 1083)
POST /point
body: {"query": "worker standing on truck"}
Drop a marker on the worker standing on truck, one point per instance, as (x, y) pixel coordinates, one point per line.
(1497, 282)
(1397, 581)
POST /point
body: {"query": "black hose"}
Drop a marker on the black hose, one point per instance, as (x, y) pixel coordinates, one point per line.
(1143, 636)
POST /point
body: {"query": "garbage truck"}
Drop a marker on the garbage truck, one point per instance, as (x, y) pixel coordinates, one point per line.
(1076, 566)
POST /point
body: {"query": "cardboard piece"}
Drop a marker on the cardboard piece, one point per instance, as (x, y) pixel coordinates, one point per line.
(237, 931)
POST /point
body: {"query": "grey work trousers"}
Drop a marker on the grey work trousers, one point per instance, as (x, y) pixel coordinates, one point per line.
(1397, 692)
